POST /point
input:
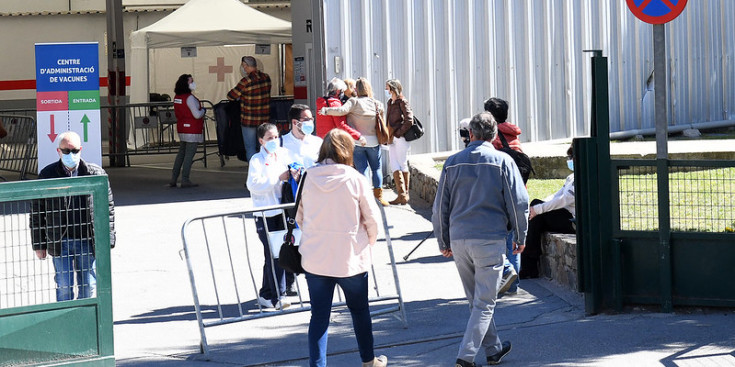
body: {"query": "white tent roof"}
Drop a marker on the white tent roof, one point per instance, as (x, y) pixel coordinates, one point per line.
(213, 23)
(202, 23)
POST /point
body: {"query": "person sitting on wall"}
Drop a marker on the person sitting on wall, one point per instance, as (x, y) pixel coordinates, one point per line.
(553, 214)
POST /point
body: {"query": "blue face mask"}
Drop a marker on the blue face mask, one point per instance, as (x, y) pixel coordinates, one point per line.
(307, 126)
(570, 164)
(71, 160)
(387, 94)
(271, 145)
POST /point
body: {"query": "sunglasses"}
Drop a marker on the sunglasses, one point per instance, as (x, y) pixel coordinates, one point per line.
(67, 151)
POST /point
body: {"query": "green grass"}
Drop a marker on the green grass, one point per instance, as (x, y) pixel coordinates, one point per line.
(540, 189)
(700, 200)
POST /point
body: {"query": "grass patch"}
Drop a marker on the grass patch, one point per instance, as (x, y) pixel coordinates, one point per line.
(540, 189)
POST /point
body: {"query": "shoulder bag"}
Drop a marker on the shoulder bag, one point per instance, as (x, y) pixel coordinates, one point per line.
(381, 130)
(289, 257)
(415, 131)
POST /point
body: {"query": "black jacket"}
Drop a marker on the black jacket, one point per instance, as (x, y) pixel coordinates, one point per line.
(57, 218)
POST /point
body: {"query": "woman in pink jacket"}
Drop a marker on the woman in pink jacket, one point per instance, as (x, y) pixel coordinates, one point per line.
(336, 249)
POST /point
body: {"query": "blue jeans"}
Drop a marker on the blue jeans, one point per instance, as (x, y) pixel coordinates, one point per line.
(250, 139)
(271, 289)
(321, 291)
(369, 156)
(512, 260)
(77, 258)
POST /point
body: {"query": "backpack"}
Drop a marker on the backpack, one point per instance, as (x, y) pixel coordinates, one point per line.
(521, 159)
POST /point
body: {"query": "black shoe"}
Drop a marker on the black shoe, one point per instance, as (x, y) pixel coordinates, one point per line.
(495, 358)
(463, 363)
(292, 291)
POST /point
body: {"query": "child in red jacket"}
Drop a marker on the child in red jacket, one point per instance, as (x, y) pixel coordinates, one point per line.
(499, 109)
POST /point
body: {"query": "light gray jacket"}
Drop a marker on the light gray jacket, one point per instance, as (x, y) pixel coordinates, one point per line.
(480, 196)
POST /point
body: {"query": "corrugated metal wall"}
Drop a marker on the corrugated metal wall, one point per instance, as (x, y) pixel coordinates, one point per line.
(451, 55)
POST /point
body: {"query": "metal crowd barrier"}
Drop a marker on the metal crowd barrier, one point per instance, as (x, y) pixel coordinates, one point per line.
(18, 149)
(221, 260)
(151, 129)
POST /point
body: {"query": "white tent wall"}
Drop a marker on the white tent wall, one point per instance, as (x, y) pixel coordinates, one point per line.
(451, 55)
(166, 64)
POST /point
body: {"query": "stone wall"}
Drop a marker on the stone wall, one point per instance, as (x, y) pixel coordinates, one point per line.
(559, 259)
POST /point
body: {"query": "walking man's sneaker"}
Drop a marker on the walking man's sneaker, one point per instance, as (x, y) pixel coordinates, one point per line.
(463, 363)
(495, 358)
(379, 361)
(507, 280)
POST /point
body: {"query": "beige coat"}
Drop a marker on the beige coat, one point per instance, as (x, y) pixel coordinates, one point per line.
(338, 218)
(360, 115)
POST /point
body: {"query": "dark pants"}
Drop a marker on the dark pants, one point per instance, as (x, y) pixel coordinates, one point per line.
(271, 289)
(559, 221)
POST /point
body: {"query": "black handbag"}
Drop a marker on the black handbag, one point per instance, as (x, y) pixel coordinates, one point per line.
(289, 257)
(415, 131)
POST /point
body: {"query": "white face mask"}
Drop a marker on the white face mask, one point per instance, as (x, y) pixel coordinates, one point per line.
(271, 145)
(192, 86)
(71, 160)
(243, 72)
(307, 127)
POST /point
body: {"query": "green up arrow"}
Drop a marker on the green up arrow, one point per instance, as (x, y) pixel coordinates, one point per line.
(85, 121)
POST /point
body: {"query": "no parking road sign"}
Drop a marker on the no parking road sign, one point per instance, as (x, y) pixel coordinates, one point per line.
(656, 11)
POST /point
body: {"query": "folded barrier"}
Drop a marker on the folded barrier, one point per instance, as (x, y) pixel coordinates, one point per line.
(18, 148)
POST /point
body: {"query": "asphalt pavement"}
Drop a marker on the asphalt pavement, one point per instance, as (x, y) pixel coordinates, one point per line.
(156, 325)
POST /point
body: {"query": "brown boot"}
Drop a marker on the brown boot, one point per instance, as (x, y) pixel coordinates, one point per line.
(379, 195)
(407, 180)
(400, 188)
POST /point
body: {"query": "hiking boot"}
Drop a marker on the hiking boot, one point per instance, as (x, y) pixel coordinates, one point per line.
(380, 361)
(463, 363)
(507, 281)
(495, 358)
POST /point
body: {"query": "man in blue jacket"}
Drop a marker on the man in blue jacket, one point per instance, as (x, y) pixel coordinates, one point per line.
(480, 198)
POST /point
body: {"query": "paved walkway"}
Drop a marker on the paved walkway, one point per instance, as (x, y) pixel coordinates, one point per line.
(155, 323)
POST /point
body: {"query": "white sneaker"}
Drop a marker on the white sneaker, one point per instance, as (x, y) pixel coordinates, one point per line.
(282, 303)
(379, 361)
(265, 303)
(507, 280)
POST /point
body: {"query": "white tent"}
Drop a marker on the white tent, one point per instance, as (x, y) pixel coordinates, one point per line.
(202, 23)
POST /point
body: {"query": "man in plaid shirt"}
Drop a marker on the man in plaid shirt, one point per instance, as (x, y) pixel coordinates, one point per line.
(254, 93)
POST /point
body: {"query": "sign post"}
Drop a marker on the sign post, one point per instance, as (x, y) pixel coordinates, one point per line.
(658, 13)
(67, 98)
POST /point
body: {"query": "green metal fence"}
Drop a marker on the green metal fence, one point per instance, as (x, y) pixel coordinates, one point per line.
(656, 232)
(35, 329)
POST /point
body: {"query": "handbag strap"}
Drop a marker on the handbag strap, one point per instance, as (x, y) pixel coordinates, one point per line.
(502, 139)
(291, 222)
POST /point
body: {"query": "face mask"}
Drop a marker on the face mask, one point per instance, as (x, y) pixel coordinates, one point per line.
(570, 164)
(243, 72)
(193, 86)
(387, 94)
(71, 160)
(271, 145)
(307, 127)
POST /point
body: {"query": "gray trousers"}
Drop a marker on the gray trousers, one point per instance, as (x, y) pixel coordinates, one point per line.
(480, 266)
(185, 158)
